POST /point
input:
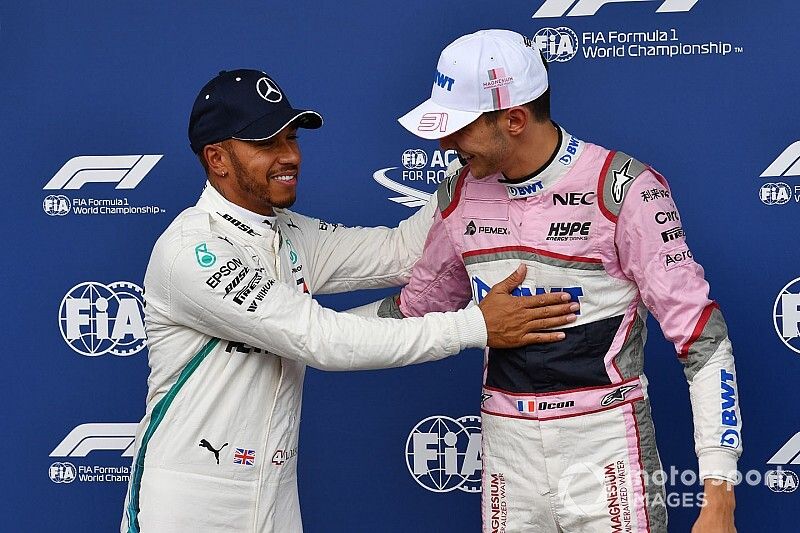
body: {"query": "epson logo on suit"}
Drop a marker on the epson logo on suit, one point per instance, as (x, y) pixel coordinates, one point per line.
(225, 270)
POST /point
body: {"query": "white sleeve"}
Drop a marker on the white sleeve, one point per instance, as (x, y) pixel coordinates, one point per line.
(269, 314)
(345, 259)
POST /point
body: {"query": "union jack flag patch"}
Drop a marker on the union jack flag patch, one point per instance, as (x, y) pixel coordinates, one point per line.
(244, 457)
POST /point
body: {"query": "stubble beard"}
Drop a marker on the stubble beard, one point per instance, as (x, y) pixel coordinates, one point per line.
(247, 183)
(491, 162)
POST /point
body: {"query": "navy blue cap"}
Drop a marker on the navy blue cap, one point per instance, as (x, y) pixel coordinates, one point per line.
(246, 105)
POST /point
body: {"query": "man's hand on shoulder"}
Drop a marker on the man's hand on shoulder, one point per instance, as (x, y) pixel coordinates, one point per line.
(716, 516)
(513, 321)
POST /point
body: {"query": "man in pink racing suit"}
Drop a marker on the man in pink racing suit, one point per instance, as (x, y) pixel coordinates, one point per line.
(568, 439)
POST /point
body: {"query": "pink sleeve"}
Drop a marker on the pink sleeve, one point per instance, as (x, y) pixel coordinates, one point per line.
(654, 253)
(439, 281)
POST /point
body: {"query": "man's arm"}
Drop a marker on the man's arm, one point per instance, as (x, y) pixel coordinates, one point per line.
(346, 259)
(439, 283)
(269, 314)
(654, 253)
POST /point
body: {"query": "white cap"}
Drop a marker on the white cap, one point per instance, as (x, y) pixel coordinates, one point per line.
(483, 71)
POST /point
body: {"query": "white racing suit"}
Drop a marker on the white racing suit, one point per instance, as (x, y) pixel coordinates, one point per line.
(568, 439)
(231, 328)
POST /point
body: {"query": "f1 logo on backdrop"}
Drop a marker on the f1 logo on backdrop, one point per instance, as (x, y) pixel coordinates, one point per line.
(444, 454)
(787, 164)
(96, 319)
(126, 171)
(86, 438)
(782, 480)
(786, 315)
(585, 8)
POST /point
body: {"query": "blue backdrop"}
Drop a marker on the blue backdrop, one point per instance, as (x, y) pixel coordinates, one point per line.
(706, 93)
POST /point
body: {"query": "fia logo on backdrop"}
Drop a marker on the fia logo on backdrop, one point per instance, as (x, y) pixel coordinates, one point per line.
(786, 315)
(444, 454)
(96, 319)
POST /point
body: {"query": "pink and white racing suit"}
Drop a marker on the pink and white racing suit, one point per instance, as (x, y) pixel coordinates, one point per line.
(568, 438)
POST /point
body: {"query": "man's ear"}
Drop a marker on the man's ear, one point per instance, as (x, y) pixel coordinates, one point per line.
(516, 120)
(218, 159)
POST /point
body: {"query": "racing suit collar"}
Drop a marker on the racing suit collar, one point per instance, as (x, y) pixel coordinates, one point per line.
(249, 223)
(567, 152)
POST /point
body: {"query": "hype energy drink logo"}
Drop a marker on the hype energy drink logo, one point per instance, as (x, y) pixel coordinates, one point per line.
(421, 172)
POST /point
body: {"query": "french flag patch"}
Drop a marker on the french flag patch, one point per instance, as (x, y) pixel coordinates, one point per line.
(526, 406)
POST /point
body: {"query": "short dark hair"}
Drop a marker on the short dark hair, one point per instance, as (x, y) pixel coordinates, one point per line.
(539, 108)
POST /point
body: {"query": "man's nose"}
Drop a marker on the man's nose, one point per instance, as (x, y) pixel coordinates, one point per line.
(290, 154)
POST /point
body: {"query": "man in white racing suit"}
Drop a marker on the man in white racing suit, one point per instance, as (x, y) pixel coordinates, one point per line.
(231, 324)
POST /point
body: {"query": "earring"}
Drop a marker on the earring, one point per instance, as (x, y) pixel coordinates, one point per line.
(224, 173)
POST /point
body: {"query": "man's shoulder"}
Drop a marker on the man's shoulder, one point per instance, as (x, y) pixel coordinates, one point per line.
(449, 191)
(191, 222)
(192, 227)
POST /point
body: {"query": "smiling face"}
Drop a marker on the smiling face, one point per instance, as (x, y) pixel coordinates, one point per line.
(260, 175)
(482, 144)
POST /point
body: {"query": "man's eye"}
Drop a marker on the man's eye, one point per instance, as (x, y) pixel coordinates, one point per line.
(293, 137)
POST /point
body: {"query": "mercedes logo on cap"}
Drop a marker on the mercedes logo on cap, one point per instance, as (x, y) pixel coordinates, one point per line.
(268, 90)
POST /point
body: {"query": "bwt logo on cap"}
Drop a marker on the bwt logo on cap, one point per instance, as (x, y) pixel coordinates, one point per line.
(126, 171)
(96, 319)
(786, 315)
(444, 454)
(585, 8)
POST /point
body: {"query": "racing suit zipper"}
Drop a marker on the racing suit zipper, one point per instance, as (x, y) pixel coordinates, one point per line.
(276, 242)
